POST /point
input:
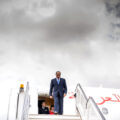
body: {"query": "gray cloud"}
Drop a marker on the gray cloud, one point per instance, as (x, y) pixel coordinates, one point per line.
(113, 7)
(36, 39)
(70, 21)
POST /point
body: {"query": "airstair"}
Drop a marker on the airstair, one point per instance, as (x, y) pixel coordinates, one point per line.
(54, 117)
(86, 108)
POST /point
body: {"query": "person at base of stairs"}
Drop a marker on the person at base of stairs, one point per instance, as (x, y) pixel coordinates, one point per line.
(58, 90)
(44, 109)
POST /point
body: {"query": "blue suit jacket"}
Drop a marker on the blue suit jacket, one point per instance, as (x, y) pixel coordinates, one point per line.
(58, 89)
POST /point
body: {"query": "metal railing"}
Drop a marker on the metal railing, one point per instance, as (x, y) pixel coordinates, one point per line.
(26, 104)
(93, 112)
(87, 107)
(81, 100)
(9, 104)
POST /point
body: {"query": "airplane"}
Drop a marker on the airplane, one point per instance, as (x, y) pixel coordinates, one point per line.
(81, 103)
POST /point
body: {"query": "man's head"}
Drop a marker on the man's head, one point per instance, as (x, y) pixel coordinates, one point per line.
(58, 74)
(43, 104)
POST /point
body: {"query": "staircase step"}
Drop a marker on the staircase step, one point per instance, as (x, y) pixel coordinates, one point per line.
(53, 117)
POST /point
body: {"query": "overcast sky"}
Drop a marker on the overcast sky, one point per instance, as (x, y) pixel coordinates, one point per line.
(78, 37)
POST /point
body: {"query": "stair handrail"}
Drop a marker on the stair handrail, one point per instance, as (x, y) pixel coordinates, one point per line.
(26, 104)
(84, 104)
(96, 107)
(81, 100)
(78, 85)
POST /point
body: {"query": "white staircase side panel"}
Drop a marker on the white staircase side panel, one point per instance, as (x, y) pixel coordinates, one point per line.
(33, 101)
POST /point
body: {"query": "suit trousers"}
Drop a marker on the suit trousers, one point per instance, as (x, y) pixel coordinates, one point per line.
(58, 104)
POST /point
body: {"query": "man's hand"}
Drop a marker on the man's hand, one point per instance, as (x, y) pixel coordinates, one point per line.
(51, 97)
(64, 94)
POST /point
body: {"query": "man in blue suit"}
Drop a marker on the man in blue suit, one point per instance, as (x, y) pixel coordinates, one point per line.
(58, 90)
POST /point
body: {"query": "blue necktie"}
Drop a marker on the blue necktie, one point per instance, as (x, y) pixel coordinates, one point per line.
(58, 81)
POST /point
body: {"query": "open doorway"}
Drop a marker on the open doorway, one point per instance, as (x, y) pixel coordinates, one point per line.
(42, 98)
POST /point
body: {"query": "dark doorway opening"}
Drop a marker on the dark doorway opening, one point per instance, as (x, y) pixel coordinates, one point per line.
(46, 99)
